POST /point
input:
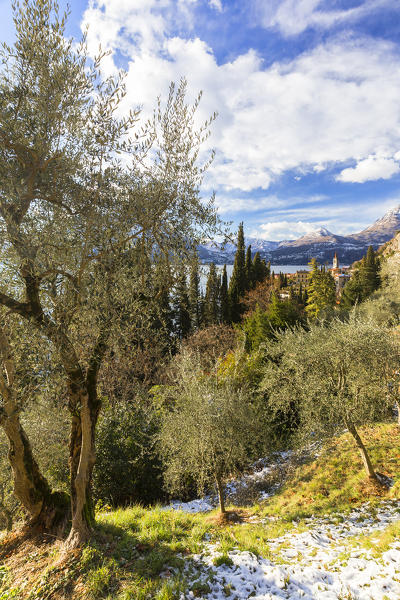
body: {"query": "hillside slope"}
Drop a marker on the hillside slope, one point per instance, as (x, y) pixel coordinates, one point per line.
(158, 554)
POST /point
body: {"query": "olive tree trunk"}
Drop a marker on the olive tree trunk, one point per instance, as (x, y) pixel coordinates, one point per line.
(45, 508)
(82, 460)
(363, 451)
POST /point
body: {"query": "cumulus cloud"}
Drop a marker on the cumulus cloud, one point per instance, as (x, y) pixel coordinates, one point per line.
(370, 169)
(281, 230)
(329, 105)
(217, 4)
(292, 17)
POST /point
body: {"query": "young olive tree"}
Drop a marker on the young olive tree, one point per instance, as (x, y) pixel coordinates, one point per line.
(210, 430)
(78, 186)
(336, 375)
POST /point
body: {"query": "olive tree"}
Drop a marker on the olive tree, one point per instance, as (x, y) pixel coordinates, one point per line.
(336, 375)
(81, 188)
(210, 429)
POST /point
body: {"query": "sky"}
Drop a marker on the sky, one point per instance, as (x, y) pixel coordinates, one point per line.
(307, 94)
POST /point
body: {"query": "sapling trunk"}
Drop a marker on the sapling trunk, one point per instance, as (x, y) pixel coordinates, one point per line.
(221, 498)
(398, 411)
(363, 451)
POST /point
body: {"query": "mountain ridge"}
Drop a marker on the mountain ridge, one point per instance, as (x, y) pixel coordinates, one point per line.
(320, 244)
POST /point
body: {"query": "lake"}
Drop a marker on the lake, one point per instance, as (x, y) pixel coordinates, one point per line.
(229, 269)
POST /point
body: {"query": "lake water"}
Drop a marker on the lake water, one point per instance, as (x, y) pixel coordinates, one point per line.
(275, 268)
(229, 268)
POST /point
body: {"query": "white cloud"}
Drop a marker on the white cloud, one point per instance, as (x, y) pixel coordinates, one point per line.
(231, 204)
(281, 230)
(294, 16)
(217, 4)
(370, 169)
(336, 103)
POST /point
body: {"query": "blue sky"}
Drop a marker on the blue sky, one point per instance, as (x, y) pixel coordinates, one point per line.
(307, 91)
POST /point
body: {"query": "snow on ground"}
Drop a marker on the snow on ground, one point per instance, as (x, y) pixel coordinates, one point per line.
(256, 485)
(194, 506)
(321, 563)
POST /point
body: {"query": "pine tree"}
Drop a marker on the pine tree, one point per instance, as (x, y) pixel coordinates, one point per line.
(182, 307)
(194, 293)
(224, 298)
(237, 284)
(211, 301)
(321, 291)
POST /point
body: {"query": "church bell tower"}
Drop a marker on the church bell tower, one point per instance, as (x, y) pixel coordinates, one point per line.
(335, 262)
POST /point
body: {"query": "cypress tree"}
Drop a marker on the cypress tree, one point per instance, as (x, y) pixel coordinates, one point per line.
(224, 298)
(352, 292)
(301, 299)
(237, 284)
(162, 316)
(182, 308)
(249, 270)
(260, 269)
(369, 273)
(321, 291)
(211, 301)
(194, 293)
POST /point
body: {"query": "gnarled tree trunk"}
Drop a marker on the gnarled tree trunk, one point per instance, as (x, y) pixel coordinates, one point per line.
(82, 460)
(47, 509)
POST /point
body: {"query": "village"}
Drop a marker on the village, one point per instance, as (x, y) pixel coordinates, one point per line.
(296, 283)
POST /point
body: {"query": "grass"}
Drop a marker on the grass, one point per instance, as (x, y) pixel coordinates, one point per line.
(380, 541)
(146, 554)
(335, 482)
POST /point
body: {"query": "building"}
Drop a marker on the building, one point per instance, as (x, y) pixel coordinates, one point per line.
(301, 277)
(340, 275)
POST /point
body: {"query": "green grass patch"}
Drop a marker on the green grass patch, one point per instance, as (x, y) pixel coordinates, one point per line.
(140, 553)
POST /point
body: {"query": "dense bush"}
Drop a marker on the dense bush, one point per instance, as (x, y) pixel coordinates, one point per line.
(127, 468)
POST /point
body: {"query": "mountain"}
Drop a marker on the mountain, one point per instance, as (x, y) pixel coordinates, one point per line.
(382, 230)
(215, 252)
(320, 244)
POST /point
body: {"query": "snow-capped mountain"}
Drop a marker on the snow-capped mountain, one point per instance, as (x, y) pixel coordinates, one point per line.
(319, 236)
(320, 244)
(382, 230)
(215, 252)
